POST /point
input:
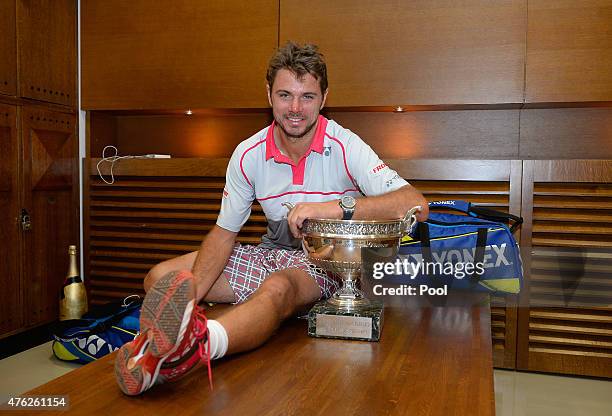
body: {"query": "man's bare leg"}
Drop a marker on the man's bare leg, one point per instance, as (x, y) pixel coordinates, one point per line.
(281, 296)
(250, 324)
(220, 292)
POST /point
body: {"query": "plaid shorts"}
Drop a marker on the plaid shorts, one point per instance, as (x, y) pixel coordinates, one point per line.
(249, 266)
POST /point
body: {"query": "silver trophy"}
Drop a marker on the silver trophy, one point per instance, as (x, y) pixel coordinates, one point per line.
(336, 246)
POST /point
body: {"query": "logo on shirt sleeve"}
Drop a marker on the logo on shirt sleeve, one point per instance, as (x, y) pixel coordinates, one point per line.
(376, 170)
(225, 193)
(391, 181)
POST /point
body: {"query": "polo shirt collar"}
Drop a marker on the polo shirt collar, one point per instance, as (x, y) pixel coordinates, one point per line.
(272, 151)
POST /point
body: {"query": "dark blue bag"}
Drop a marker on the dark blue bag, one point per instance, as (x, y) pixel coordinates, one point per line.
(99, 332)
(446, 244)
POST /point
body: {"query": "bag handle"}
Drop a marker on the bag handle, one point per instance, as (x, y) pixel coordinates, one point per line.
(479, 212)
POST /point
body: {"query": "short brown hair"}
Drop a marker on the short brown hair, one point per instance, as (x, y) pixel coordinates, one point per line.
(300, 60)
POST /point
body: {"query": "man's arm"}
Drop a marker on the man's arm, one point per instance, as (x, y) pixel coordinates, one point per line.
(392, 205)
(213, 255)
(217, 246)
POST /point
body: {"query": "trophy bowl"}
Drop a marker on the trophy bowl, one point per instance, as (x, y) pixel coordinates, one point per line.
(336, 246)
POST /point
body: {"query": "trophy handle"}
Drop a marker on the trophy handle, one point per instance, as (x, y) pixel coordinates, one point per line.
(410, 219)
(288, 205)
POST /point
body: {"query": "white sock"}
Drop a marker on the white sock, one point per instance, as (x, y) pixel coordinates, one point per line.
(217, 339)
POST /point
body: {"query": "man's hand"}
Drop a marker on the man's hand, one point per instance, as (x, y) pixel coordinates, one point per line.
(303, 210)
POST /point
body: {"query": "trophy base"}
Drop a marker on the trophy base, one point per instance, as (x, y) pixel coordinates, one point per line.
(363, 323)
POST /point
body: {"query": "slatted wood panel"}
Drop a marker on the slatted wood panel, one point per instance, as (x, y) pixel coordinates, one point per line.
(567, 324)
(140, 221)
(495, 195)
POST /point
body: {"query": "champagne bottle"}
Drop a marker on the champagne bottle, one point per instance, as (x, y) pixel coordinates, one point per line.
(73, 297)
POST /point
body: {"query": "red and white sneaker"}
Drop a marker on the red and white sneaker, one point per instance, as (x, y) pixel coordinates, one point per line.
(173, 330)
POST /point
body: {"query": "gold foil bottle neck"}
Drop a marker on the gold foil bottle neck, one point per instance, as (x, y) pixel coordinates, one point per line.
(72, 268)
(73, 297)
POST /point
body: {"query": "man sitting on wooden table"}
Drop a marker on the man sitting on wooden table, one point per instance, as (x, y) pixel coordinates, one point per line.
(303, 158)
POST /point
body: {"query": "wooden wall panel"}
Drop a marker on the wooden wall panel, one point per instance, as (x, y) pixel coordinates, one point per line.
(102, 131)
(49, 157)
(565, 318)
(561, 133)
(569, 51)
(569, 133)
(47, 50)
(188, 136)
(8, 48)
(11, 314)
(415, 52)
(486, 134)
(176, 54)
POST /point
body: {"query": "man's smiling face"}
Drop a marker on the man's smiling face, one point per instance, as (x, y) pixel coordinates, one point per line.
(296, 103)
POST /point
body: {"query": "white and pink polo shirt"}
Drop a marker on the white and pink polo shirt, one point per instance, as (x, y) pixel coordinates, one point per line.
(338, 163)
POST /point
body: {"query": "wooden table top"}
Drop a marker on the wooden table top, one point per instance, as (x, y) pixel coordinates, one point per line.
(430, 361)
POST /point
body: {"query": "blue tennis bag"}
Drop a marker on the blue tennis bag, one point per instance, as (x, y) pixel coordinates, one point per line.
(99, 332)
(474, 251)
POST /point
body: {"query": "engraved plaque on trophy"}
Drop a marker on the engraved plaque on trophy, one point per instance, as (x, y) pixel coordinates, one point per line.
(336, 246)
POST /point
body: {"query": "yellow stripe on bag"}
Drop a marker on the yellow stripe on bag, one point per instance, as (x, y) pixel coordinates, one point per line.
(62, 353)
(510, 285)
(124, 330)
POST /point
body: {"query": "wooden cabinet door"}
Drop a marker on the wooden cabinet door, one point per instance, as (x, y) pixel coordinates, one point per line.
(8, 51)
(569, 51)
(385, 53)
(47, 50)
(10, 298)
(174, 54)
(565, 318)
(50, 173)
